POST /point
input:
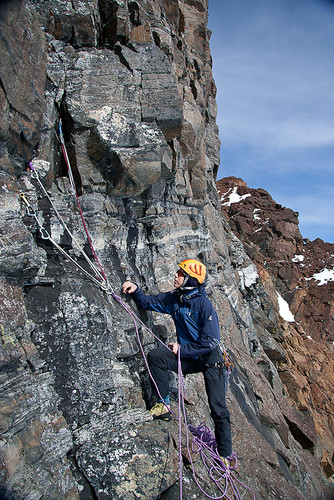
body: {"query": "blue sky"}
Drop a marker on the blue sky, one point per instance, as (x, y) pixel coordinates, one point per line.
(273, 64)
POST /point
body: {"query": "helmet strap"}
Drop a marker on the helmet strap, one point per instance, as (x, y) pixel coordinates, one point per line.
(184, 288)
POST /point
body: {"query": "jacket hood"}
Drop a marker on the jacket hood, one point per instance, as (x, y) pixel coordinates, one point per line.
(186, 295)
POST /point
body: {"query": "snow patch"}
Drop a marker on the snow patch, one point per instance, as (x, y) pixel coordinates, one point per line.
(284, 310)
(233, 197)
(323, 276)
(255, 214)
(298, 258)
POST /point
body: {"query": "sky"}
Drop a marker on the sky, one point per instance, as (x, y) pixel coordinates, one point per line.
(273, 64)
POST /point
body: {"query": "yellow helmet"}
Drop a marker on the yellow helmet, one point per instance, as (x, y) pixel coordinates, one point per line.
(194, 268)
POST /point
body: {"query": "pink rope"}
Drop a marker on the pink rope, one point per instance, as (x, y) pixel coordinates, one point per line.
(203, 439)
(69, 169)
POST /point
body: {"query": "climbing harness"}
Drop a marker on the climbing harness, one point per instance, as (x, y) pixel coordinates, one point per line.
(203, 439)
(229, 365)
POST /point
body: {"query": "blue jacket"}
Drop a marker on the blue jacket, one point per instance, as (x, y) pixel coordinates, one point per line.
(195, 318)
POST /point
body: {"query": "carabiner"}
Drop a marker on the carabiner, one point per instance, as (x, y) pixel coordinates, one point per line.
(30, 210)
(44, 234)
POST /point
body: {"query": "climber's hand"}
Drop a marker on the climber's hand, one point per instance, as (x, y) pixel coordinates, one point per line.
(174, 347)
(129, 287)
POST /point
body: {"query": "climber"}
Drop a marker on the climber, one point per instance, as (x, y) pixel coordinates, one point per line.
(198, 339)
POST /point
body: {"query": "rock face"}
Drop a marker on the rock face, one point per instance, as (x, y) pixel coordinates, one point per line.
(132, 85)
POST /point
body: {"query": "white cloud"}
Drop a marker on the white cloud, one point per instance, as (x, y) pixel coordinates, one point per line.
(273, 63)
(274, 107)
(275, 76)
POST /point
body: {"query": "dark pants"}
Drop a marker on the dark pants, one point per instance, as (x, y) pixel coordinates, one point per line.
(162, 359)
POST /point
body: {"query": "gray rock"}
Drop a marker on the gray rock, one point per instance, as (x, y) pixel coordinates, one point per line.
(22, 73)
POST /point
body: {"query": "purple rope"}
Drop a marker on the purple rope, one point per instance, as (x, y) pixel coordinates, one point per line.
(204, 441)
(202, 436)
(180, 387)
(135, 319)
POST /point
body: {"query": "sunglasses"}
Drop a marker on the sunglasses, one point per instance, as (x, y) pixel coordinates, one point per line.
(180, 272)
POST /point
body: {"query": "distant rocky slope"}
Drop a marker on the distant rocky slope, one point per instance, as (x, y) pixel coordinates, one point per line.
(302, 270)
(132, 83)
